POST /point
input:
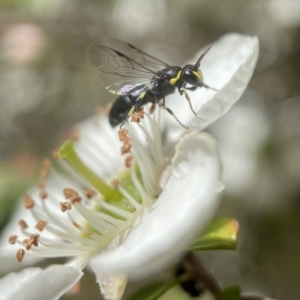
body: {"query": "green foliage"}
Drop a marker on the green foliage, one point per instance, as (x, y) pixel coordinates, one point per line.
(220, 234)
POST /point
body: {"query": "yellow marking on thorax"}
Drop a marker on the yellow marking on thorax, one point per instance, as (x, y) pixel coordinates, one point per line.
(174, 80)
(142, 95)
(199, 75)
(132, 110)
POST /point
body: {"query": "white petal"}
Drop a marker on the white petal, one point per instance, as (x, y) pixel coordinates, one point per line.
(99, 146)
(112, 286)
(36, 284)
(239, 67)
(181, 211)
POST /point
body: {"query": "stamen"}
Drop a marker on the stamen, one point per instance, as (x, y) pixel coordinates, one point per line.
(128, 161)
(75, 135)
(20, 255)
(41, 184)
(33, 240)
(89, 193)
(64, 206)
(135, 118)
(69, 236)
(145, 197)
(65, 251)
(141, 113)
(27, 244)
(12, 239)
(152, 108)
(129, 197)
(28, 202)
(41, 225)
(43, 194)
(93, 219)
(22, 223)
(126, 147)
(43, 173)
(47, 163)
(70, 193)
(115, 182)
(114, 209)
(123, 134)
(75, 200)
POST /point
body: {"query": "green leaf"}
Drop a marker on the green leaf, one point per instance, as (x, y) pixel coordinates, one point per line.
(220, 234)
(231, 293)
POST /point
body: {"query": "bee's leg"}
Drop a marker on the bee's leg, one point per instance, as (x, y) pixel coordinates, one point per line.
(172, 114)
(187, 97)
(208, 87)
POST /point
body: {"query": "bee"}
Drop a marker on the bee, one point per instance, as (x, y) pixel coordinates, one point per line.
(139, 78)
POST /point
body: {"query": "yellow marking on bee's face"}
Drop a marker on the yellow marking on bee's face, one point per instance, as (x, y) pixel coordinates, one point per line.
(199, 75)
(174, 80)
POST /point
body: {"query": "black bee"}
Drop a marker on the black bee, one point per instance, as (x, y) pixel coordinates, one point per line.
(139, 78)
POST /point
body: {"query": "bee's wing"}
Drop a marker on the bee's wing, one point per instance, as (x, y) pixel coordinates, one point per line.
(118, 70)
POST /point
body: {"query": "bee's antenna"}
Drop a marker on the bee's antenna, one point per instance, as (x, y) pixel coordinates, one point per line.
(197, 64)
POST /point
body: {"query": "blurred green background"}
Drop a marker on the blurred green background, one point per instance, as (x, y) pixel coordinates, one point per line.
(47, 84)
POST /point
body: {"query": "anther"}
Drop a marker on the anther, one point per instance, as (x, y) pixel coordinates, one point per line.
(12, 239)
(69, 193)
(128, 161)
(22, 223)
(75, 135)
(141, 113)
(75, 200)
(123, 134)
(152, 108)
(44, 173)
(115, 183)
(41, 225)
(41, 184)
(89, 193)
(34, 239)
(43, 194)
(28, 201)
(126, 147)
(20, 255)
(47, 163)
(64, 206)
(135, 118)
(27, 244)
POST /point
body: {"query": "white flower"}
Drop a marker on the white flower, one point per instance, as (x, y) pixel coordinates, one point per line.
(54, 280)
(159, 205)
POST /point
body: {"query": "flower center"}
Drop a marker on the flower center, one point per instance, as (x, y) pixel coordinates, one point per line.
(88, 221)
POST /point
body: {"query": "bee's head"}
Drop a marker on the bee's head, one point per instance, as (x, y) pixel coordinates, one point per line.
(192, 74)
